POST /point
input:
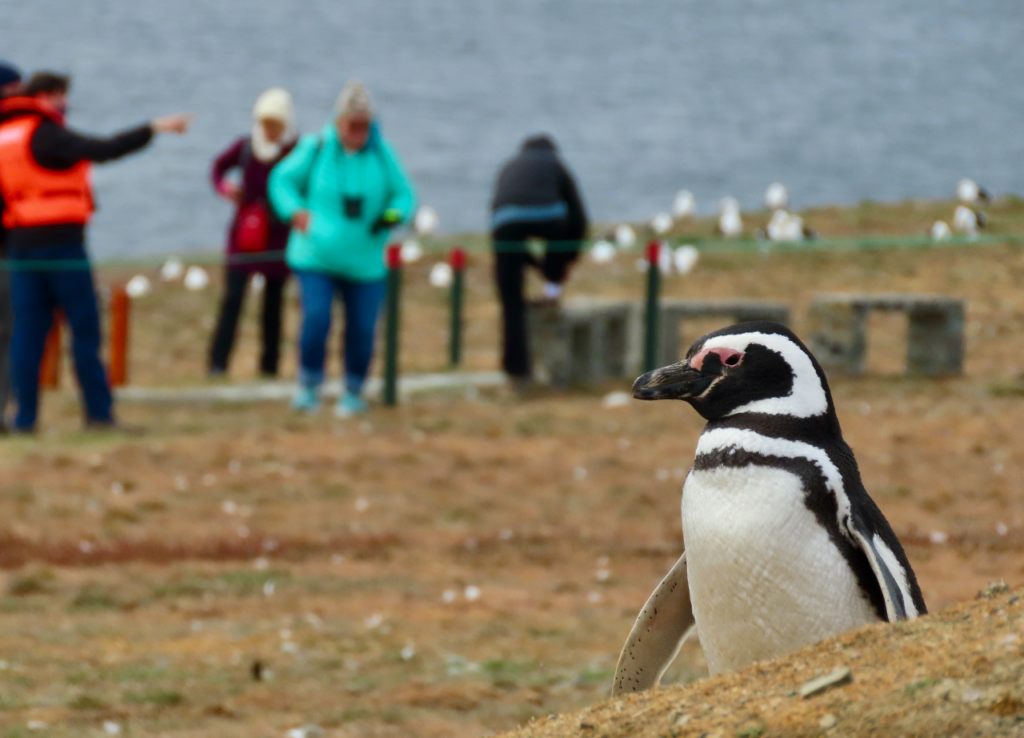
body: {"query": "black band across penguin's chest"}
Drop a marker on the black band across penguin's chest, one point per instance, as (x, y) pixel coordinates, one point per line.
(818, 498)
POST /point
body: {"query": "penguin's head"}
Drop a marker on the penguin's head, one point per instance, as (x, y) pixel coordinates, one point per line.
(756, 367)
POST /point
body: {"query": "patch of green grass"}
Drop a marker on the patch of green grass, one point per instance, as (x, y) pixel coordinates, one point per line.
(37, 582)
(753, 731)
(87, 702)
(912, 689)
(156, 697)
(7, 702)
(92, 598)
(588, 677)
(351, 714)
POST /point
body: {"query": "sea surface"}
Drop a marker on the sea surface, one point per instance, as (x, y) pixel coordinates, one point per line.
(841, 101)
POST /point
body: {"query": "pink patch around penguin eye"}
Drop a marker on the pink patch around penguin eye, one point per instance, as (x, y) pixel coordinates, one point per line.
(728, 357)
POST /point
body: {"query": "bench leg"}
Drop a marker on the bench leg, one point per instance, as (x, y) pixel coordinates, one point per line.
(837, 337)
(935, 342)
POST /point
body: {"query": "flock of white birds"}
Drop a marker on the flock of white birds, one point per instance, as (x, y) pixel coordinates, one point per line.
(783, 226)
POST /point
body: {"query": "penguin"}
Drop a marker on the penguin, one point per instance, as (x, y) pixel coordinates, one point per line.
(784, 547)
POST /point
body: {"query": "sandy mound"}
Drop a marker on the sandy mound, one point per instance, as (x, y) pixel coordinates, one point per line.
(955, 673)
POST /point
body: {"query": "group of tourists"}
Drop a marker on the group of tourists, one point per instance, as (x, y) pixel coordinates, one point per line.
(320, 207)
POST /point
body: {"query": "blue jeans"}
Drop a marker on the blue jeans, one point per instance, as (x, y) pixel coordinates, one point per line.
(362, 302)
(35, 294)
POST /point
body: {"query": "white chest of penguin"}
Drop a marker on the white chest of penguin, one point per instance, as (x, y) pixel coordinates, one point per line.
(764, 576)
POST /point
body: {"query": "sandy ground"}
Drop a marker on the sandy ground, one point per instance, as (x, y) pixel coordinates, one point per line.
(458, 565)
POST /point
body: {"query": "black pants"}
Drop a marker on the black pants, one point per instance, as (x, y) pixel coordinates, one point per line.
(235, 282)
(510, 263)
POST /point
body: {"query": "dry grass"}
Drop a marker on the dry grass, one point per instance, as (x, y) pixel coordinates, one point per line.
(145, 574)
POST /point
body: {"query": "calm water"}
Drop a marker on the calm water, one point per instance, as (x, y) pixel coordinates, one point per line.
(878, 99)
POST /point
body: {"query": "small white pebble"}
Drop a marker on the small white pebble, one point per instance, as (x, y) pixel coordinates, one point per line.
(409, 651)
(449, 595)
(938, 537)
(594, 597)
(290, 647)
(1001, 529)
(243, 532)
(373, 621)
(361, 504)
(85, 547)
(579, 473)
(197, 625)
(35, 725)
(268, 589)
(313, 619)
(180, 483)
(261, 563)
(117, 489)
(624, 443)
(661, 475)
(506, 534)
(472, 593)
(337, 559)
(603, 575)
(828, 721)
(285, 633)
(111, 728)
(229, 507)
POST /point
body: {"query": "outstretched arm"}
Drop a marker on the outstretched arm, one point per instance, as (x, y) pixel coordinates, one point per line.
(56, 147)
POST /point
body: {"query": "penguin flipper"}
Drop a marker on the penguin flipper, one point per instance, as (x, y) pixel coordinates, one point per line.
(660, 630)
(891, 576)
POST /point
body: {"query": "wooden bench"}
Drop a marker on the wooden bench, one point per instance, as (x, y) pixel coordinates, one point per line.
(671, 345)
(935, 333)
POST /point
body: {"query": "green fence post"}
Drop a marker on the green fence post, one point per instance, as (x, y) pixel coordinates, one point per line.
(394, 287)
(457, 260)
(651, 313)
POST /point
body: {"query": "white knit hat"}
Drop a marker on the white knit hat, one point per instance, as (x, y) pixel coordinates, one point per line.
(353, 100)
(275, 104)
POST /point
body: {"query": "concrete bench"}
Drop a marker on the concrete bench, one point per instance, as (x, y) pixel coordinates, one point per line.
(935, 334)
(593, 339)
(671, 345)
(584, 340)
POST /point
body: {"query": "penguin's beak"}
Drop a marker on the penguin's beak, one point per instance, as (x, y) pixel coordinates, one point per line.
(673, 382)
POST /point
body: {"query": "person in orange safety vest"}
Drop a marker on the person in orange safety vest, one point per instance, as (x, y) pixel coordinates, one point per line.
(46, 202)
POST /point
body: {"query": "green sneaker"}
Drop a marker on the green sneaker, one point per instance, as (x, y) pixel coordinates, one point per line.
(350, 405)
(306, 400)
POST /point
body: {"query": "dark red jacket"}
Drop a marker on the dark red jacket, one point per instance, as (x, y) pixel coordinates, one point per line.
(254, 188)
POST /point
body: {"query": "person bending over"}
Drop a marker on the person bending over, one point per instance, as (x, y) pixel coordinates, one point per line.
(535, 197)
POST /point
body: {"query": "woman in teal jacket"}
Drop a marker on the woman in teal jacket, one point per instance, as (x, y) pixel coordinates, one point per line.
(342, 191)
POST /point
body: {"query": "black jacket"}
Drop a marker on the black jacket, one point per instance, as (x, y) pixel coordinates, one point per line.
(56, 147)
(537, 176)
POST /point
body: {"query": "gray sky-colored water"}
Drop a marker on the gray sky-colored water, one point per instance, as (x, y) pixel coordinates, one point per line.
(867, 99)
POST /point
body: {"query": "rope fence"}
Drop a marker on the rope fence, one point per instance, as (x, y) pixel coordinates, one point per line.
(120, 301)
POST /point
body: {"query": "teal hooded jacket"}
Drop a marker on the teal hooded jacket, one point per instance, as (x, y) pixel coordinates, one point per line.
(318, 176)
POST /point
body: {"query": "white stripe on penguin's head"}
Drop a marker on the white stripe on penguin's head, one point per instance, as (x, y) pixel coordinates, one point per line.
(807, 397)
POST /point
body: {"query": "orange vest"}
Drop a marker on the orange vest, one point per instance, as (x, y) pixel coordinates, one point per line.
(34, 195)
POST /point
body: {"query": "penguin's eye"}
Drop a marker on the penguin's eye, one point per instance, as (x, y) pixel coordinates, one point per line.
(733, 360)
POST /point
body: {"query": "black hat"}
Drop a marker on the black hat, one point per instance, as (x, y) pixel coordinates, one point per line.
(8, 73)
